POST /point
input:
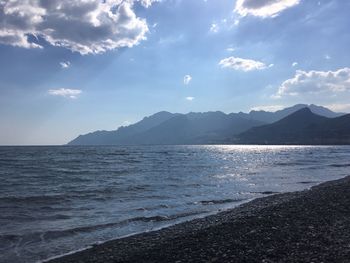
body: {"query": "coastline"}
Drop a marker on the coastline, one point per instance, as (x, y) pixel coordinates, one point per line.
(304, 226)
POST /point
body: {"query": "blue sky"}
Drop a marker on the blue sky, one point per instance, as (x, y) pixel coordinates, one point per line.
(71, 67)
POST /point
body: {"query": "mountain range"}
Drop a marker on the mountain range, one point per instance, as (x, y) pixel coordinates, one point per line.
(211, 127)
(300, 127)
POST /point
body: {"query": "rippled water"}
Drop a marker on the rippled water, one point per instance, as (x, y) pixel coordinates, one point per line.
(54, 200)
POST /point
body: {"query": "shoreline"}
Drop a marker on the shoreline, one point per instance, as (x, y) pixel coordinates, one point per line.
(185, 221)
(303, 226)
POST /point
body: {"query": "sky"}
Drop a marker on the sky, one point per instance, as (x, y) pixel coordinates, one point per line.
(69, 67)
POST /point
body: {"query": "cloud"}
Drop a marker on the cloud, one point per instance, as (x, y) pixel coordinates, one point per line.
(316, 82)
(189, 98)
(339, 107)
(214, 28)
(67, 93)
(148, 3)
(242, 64)
(187, 79)
(294, 64)
(263, 8)
(126, 123)
(271, 108)
(84, 26)
(65, 64)
(170, 40)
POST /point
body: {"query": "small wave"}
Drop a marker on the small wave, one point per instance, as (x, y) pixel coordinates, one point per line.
(53, 234)
(117, 154)
(34, 198)
(266, 192)
(161, 206)
(163, 152)
(291, 163)
(340, 165)
(220, 201)
(308, 182)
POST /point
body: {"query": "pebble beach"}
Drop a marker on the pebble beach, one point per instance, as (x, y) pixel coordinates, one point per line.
(307, 226)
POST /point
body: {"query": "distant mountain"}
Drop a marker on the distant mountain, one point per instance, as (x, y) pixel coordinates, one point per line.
(196, 128)
(123, 133)
(270, 117)
(300, 127)
(168, 128)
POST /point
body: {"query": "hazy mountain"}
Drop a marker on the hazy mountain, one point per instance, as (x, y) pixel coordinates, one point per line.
(196, 128)
(123, 133)
(192, 128)
(270, 117)
(168, 128)
(301, 127)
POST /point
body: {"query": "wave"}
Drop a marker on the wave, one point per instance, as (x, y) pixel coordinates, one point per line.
(309, 182)
(101, 193)
(220, 201)
(340, 165)
(33, 198)
(53, 234)
(266, 192)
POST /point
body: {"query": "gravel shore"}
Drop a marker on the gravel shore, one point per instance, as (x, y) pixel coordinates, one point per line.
(307, 226)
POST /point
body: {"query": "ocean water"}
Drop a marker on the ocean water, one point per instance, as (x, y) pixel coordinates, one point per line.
(54, 200)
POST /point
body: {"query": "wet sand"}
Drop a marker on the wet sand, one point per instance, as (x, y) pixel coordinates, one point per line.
(307, 226)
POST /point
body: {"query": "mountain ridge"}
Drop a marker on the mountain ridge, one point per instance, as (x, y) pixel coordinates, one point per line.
(211, 127)
(300, 127)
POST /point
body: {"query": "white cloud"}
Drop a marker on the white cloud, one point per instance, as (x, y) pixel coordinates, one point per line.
(147, 3)
(170, 40)
(187, 79)
(189, 98)
(225, 24)
(328, 57)
(271, 108)
(242, 64)
(263, 8)
(313, 82)
(67, 93)
(126, 123)
(230, 49)
(339, 107)
(214, 28)
(294, 64)
(65, 64)
(84, 26)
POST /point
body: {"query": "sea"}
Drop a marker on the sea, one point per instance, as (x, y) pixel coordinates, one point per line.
(56, 200)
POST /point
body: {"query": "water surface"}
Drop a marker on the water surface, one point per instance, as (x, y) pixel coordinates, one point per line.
(54, 200)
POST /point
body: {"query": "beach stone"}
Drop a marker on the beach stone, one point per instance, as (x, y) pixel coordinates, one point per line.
(307, 226)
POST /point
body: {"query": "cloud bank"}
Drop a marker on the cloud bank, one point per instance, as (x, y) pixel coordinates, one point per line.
(84, 26)
(314, 82)
(242, 64)
(263, 8)
(67, 93)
